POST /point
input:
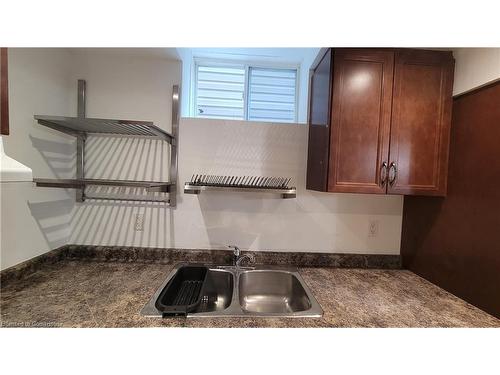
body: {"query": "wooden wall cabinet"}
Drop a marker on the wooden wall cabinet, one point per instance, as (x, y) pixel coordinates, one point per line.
(379, 121)
(4, 93)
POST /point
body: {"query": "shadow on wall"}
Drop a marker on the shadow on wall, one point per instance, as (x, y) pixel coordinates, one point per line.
(53, 220)
(311, 222)
(60, 157)
(53, 216)
(242, 148)
(112, 222)
(126, 159)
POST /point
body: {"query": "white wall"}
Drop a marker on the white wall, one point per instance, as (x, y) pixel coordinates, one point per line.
(137, 87)
(305, 65)
(36, 220)
(475, 67)
(312, 222)
(186, 55)
(134, 86)
(140, 89)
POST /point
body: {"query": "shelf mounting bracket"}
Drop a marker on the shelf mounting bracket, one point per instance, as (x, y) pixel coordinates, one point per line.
(80, 141)
(174, 145)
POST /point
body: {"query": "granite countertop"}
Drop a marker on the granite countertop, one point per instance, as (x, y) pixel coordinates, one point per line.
(111, 294)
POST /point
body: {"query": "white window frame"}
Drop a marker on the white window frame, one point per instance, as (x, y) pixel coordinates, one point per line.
(246, 65)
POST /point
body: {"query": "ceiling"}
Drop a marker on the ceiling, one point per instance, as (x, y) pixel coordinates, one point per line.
(168, 53)
(272, 55)
(278, 55)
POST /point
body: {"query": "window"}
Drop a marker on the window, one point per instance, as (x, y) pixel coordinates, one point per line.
(243, 92)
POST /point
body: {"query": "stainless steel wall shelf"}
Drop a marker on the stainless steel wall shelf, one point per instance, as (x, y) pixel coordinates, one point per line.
(81, 127)
(150, 186)
(254, 184)
(196, 189)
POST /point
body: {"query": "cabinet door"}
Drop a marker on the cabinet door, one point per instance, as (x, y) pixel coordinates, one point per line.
(361, 115)
(421, 118)
(319, 125)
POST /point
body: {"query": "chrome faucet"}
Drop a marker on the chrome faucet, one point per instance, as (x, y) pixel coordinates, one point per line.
(236, 253)
(237, 257)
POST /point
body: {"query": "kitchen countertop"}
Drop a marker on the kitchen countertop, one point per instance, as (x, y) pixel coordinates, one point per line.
(111, 294)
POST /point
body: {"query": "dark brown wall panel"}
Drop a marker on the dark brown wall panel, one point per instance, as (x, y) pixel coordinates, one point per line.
(4, 93)
(454, 242)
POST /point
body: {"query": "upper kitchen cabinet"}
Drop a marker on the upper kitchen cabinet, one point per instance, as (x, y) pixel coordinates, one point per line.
(359, 137)
(388, 115)
(420, 126)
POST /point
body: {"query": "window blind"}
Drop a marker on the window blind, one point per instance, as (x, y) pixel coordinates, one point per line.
(220, 92)
(272, 95)
(246, 93)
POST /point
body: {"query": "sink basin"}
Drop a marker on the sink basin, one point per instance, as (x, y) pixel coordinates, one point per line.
(272, 292)
(217, 292)
(261, 291)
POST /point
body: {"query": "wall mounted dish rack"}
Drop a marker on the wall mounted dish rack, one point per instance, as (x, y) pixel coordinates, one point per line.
(277, 185)
(82, 126)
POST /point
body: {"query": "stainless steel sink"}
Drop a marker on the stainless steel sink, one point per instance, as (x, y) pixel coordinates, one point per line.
(262, 291)
(272, 292)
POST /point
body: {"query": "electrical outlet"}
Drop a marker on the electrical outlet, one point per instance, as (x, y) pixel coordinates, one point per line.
(139, 222)
(373, 228)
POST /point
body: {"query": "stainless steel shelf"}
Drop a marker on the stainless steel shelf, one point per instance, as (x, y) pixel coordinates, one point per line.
(150, 186)
(197, 189)
(82, 126)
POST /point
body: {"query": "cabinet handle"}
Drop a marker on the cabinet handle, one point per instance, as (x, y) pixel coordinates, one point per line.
(394, 168)
(383, 173)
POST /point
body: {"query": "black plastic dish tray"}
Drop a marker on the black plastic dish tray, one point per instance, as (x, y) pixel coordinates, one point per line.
(182, 294)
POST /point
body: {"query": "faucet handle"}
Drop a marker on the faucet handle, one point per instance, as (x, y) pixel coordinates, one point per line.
(249, 257)
(236, 249)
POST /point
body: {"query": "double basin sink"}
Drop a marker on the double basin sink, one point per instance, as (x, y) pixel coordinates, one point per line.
(230, 291)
